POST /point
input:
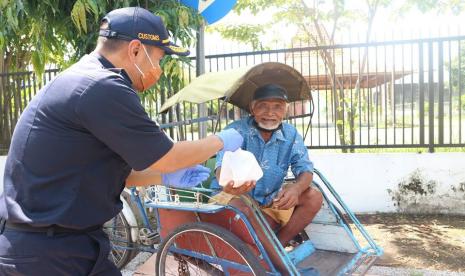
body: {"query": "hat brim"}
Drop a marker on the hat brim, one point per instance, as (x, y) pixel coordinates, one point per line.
(173, 49)
(269, 97)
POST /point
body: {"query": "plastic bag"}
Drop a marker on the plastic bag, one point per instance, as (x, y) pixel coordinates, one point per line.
(239, 166)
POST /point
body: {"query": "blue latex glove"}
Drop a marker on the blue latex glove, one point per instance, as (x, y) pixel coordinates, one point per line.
(186, 178)
(232, 140)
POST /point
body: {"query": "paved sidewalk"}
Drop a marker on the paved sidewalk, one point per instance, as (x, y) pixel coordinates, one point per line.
(397, 271)
(144, 264)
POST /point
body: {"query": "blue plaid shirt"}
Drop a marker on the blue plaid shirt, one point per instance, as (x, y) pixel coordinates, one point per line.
(285, 148)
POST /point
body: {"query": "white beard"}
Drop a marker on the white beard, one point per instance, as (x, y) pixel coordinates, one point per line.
(268, 127)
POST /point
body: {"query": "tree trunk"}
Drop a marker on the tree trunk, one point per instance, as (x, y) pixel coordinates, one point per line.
(179, 118)
(337, 88)
(353, 110)
(336, 85)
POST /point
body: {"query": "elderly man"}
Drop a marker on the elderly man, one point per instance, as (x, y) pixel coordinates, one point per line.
(276, 145)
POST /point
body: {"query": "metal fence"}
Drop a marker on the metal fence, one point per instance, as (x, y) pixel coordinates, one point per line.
(394, 94)
(408, 93)
(16, 90)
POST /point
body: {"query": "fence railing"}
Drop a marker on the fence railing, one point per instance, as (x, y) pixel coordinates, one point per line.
(407, 93)
(16, 91)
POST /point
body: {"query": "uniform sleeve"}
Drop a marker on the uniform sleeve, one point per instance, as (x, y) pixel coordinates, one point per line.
(112, 112)
(300, 162)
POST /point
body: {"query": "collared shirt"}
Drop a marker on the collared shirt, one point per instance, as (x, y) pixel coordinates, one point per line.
(285, 148)
(74, 146)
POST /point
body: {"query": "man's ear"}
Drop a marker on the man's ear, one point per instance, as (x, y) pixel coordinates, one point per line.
(250, 107)
(134, 47)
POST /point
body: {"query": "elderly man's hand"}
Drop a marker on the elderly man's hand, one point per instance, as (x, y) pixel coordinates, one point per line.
(245, 188)
(287, 198)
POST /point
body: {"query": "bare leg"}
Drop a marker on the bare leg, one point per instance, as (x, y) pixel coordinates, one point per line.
(306, 209)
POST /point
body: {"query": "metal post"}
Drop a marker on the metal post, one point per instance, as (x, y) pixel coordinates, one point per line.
(430, 98)
(200, 66)
(421, 93)
(441, 93)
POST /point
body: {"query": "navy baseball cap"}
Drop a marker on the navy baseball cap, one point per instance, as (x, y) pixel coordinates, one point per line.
(138, 23)
(270, 91)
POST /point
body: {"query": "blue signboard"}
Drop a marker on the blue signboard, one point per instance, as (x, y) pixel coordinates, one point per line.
(211, 10)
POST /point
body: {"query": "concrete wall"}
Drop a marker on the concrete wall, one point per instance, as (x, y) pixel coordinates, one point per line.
(419, 183)
(416, 183)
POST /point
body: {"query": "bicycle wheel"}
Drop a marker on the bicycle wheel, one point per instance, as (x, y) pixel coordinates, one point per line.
(205, 249)
(122, 245)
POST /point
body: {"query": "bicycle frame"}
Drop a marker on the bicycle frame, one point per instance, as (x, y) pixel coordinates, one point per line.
(360, 261)
(131, 218)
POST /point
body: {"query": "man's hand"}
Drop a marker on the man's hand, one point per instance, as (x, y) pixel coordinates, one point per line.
(186, 178)
(232, 140)
(244, 188)
(287, 198)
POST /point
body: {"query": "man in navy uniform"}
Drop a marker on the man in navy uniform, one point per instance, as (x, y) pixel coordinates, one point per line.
(78, 141)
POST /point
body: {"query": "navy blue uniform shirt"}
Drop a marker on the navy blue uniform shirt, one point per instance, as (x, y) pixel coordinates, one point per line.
(74, 146)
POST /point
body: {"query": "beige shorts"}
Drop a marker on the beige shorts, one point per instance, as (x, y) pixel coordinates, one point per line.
(280, 216)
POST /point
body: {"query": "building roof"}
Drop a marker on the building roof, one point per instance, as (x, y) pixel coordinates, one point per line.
(349, 81)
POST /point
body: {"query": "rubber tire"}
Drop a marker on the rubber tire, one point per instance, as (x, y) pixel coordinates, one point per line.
(212, 229)
(128, 254)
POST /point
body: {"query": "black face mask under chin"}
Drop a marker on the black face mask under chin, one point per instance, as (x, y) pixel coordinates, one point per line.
(255, 124)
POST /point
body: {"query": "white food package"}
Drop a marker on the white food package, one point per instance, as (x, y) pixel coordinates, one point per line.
(239, 166)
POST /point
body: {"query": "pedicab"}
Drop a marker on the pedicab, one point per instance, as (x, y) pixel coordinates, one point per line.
(201, 238)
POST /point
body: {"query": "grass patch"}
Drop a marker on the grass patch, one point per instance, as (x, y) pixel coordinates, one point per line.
(391, 150)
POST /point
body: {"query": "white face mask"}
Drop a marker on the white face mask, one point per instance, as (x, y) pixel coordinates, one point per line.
(268, 126)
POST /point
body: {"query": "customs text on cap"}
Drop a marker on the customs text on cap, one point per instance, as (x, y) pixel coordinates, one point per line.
(138, 23)
(270, 91)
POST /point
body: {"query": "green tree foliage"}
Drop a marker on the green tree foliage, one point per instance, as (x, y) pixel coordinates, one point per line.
(334, 15)
(282, 12)
(455, 7)
(59, 32)
(246, 33)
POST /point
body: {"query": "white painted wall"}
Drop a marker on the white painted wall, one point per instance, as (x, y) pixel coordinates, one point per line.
(363, 180)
